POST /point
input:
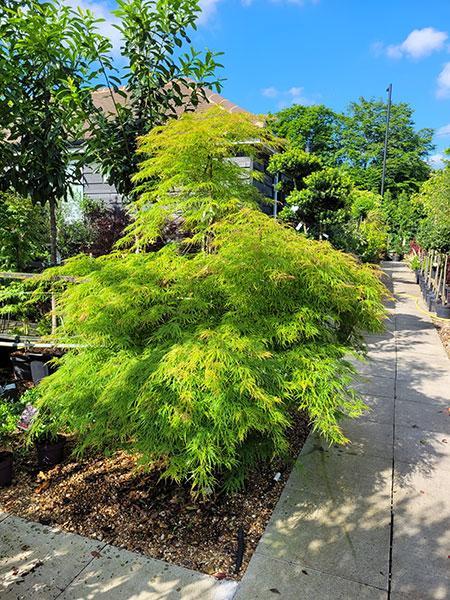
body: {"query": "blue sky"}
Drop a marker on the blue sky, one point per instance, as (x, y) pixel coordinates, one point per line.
(278, 52)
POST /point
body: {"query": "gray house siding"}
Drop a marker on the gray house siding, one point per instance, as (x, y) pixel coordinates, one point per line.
(95, 187)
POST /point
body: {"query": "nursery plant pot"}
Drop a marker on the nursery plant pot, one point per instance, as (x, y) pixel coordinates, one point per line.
(32, 366)
(21, 366)
(417, 272)
(6, 468)
(443, 310)
(50, 453)
(431, 301)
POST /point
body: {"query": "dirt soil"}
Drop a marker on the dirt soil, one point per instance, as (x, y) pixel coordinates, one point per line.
(444, 333)
(110, 500)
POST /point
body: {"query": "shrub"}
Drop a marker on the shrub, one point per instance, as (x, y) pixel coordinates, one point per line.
(197, 359)
(434, 198)
(24, 232)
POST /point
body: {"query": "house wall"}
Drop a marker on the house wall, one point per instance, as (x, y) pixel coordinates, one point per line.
(95, 187)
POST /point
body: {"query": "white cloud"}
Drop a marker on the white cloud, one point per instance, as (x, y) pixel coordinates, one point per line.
(443, 81)
(419, 43)
(294, 95)
(209, 9)
(101, 11)
(443, 131)
(437, 161)
(270, 92)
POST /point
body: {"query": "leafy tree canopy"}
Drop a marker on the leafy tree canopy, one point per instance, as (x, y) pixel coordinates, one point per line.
(294, 165)
(434, 199)
(23, 232)
(363, 137)
(315, 129)
(43, 56)
(156, 33)
(323, 201)
(196, 359)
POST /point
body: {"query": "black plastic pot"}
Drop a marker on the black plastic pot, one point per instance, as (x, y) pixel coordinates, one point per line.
(431, 301)
(50, 453)
(417, 272)
(6, 468)
(443, 310)
(21, 366)
(32, 366)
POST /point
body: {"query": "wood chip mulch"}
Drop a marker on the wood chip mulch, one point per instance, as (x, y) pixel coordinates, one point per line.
(109, 499)
(444, 333)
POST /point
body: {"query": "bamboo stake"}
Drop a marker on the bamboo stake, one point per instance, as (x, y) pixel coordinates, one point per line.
(444, 281)
(439, 277)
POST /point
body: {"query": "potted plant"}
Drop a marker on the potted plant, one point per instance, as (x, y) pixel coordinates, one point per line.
(415, 266)
(48, 441)
(8, 423)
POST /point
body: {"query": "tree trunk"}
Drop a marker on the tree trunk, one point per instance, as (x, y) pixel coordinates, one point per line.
(53, 254)
(53, 232)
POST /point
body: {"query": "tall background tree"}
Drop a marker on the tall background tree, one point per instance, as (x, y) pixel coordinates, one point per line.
(43, 56)
(162, 75)
(363, 142)
(316, 129)
(53, 57)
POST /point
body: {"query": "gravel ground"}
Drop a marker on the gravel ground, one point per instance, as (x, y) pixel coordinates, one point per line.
(111, 500)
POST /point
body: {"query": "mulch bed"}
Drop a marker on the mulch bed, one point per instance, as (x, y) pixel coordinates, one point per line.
(110, 500)
(444, 333)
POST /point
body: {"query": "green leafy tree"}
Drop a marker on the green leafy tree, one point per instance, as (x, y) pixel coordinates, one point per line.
(189, 180)
(196, 355)
(293, 166)
(365, 233)
(316, 129)
(434, 199)
(322, 203)
(24, 234)
(363, 142)
(403, 216)
(45, 54)
(156, 33)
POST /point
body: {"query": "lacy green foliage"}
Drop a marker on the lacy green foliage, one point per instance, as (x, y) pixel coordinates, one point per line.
(188, 178)
(24, 232)
(434, 199)
(199, 359)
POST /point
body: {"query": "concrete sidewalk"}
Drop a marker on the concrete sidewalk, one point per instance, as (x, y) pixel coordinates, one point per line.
(372, 521)
(43, 563)
(368, 522)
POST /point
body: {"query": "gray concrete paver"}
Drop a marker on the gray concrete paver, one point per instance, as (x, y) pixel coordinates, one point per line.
(270, 578)
(118, 575)
(38, 561)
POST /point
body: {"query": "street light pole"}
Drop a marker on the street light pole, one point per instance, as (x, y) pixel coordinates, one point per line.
(386, 137)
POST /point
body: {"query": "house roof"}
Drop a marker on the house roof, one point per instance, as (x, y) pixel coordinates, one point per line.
(106, 99)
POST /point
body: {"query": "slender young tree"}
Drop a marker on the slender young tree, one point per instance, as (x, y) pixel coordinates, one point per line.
(44, 58)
